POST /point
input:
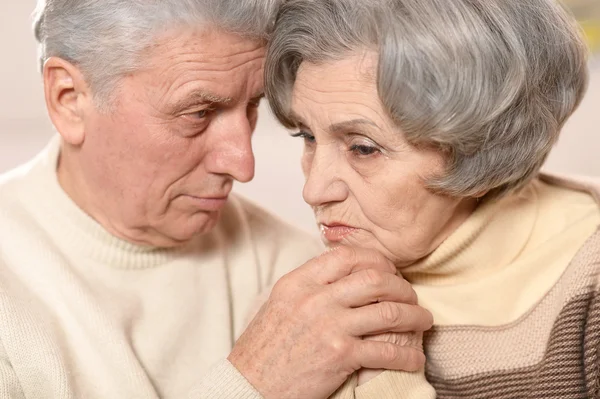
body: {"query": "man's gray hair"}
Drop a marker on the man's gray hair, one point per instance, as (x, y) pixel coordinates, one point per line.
(489, 82)
(105, 38)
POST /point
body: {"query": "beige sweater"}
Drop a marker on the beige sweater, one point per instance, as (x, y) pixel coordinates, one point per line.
(514, 294)
(84, 315)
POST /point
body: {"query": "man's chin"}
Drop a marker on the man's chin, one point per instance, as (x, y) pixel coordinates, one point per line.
(185, 229)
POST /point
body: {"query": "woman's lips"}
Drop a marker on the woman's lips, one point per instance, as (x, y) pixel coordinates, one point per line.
(336, 232)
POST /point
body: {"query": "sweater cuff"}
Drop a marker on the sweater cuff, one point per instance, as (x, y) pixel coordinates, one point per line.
(346, 391)
(397, 385)
(224, 381)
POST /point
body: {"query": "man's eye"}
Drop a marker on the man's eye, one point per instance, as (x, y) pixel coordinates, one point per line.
(309, 138)
(363, 150)
(201, 114)
(254, 104)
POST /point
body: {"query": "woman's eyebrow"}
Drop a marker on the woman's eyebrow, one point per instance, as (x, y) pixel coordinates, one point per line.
(296, 119)
(351, 124)
(339, 127)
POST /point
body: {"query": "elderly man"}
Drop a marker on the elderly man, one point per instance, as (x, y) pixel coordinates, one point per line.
(127, 268)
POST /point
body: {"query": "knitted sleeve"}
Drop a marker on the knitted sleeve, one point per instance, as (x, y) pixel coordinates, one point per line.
(9, 383)
(224, 381)
(388, 385)
(396, 385)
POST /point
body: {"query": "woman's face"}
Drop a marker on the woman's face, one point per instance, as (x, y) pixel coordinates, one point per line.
(365, 182)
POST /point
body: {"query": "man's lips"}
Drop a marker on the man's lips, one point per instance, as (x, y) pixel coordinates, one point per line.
(336, 232)
(211, 204)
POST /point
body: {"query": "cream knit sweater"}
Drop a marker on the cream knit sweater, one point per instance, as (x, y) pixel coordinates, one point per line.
(85, 315)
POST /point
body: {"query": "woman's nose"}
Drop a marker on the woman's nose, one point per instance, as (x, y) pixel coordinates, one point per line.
(324, 180)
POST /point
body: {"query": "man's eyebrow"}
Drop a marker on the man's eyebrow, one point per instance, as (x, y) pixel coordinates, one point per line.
(200, 97)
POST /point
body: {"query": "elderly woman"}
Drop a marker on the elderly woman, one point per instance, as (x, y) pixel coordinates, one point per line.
(425, 125)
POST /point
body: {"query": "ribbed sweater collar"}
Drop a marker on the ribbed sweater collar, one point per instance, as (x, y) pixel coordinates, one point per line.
(490, 239)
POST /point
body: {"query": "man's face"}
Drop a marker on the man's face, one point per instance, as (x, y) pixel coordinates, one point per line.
(161, 165)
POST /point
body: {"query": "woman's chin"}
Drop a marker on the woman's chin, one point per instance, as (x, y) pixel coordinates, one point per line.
(362, 240)
(336, 239)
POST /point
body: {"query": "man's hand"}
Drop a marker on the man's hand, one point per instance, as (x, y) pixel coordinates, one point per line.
(306, 340)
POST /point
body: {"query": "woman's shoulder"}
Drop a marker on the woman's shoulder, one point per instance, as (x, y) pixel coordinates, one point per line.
(586, 188)
(565, 213)
(569, 201)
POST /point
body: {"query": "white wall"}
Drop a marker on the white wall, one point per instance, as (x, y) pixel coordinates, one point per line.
(24, 128)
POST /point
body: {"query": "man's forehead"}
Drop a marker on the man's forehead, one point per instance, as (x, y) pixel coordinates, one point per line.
(206, 66)
(207, 45)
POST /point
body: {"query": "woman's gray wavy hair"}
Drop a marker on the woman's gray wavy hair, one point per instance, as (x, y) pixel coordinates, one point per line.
(490, 82)
(106, 38)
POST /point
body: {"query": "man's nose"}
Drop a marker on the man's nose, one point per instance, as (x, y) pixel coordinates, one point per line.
(233, 154)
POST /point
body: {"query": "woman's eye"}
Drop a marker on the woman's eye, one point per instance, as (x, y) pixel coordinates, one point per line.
(363, 150)
(309, 138)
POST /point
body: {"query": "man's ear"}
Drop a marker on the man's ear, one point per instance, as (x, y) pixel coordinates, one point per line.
(67, 96)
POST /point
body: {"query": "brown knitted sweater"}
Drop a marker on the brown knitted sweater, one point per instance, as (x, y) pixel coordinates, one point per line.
(551, 352)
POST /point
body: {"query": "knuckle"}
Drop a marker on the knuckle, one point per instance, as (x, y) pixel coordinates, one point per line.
(390, 353)
(308, 305)
(339, 348)
(391, 314)
(393, 338)
(373, 278)
(413, 360)
(413, 339)
(343, 254)
(401, 358)
(379, 259)
(284, 284)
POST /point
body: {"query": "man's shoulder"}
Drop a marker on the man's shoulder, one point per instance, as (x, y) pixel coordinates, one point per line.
(12, 183)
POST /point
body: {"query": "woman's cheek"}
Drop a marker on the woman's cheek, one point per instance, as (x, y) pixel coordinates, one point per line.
(369, 168)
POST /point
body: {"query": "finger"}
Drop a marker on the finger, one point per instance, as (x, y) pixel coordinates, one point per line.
(388, 317)
(369, 286)
(388, 356)
(412, 339)
(342, 261)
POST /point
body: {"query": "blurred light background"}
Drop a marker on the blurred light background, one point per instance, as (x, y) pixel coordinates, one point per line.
(25, 129)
